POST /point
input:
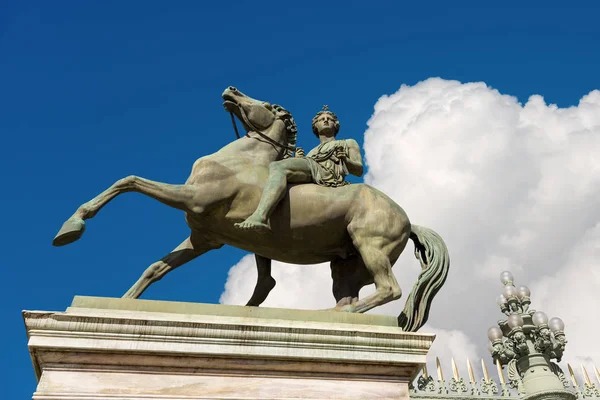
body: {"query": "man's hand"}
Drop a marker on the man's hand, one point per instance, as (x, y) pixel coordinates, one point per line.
(299, 152)
(340, 153)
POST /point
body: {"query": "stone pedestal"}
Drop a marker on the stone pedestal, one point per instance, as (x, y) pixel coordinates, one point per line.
(102, 348)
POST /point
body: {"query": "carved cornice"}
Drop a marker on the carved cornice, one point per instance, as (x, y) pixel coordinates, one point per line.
(84, 331)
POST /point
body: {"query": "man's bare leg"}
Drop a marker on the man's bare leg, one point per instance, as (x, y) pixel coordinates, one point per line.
(292, 170)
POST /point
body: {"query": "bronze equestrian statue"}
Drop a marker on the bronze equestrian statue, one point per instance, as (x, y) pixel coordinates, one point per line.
(355, 227)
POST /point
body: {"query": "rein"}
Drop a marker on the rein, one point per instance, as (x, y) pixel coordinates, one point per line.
(255, 129)
(234, 125)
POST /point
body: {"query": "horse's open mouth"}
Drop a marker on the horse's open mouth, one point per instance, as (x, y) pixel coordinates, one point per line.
(229, 105)
(230, 102)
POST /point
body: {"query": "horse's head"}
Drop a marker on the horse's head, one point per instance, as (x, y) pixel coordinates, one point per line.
(262, 117)
(251, 112)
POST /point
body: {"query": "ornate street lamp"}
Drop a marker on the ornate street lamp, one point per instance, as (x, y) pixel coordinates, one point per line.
(526, 342)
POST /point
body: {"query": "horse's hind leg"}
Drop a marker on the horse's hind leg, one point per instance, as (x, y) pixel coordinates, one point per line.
(185, 252)
(379, 245)
(349, 276)
(177, 196)
(265, 282)
(379, 265)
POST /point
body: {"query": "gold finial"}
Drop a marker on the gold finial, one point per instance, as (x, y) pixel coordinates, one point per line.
(572, 376)
(470, 368)
(500, 374)
(485, 371)
(440, 374)
(454, 370)
(586, 376)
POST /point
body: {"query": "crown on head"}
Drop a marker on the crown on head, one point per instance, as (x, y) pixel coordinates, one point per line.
(325, 110)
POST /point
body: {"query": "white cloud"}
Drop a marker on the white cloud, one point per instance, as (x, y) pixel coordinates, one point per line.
(507, 185)
(450, 344)
(571, 293)
(298, 286)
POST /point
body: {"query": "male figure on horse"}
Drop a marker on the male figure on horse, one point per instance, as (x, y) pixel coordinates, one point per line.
(326, 165)
(316, 223)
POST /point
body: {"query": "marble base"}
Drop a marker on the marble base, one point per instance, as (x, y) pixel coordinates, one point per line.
(103, 348)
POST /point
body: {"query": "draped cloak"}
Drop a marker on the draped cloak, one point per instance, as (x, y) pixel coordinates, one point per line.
(326, 168)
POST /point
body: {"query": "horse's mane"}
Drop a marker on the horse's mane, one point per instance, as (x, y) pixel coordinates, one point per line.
(292, 129)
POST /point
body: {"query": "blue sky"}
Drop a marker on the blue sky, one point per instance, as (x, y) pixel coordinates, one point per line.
(94, 91)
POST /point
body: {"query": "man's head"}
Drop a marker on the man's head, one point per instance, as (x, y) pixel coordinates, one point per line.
(325, 123)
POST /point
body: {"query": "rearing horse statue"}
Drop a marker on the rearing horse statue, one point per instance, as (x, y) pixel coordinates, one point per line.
(356, 228)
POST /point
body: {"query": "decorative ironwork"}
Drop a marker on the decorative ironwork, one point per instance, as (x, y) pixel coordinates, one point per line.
(488, 386)
(575, 384)
(426, 384)
(514, 377)
(426, 387)
(561, 375)
(525, 343)
(510, 339)
(441, 383)
(503, 384)
(474, 390)
(458, 385)
(589, 389)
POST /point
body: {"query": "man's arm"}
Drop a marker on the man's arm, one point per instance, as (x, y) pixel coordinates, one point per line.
(354, 159)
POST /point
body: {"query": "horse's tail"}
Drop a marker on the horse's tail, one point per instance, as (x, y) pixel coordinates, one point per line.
(432, 253)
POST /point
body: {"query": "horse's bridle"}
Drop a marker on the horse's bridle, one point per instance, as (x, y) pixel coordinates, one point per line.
(255, 129)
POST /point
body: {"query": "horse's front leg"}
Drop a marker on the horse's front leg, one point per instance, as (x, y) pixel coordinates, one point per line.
(189, 249)
(177, 196)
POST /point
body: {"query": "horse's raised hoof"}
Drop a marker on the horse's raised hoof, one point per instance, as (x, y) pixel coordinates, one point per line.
(71, 230)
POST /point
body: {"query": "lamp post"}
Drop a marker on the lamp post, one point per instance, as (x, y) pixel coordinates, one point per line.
(526, 342)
